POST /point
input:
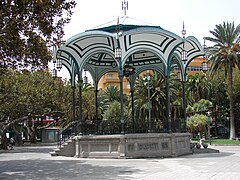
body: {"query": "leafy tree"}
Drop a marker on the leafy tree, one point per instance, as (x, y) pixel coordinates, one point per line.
(26, 95)
(236, 85)
(27, 28)
(102, 103)
(111, 118)
(88, 96)
(177, 98)
(198, 120)
(107, 96)
(224, 54)
(197, 123)
(219, 89)
(88, 103)
(200, 107)
(236, 92)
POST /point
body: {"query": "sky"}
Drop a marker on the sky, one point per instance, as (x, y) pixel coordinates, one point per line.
(199, 16)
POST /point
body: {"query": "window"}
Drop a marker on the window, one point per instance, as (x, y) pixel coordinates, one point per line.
(128, 85)
(110, 76)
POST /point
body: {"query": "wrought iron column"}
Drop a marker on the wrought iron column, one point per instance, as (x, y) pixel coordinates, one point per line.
(132, 101)
(168, 105)
(149, 106)
(80, 108)
(73, 110)
(96, 109)
(184, 105)
(121, 101)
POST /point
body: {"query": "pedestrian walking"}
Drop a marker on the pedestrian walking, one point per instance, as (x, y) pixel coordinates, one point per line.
(11, 143)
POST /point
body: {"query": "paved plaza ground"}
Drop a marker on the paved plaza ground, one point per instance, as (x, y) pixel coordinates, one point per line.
(34, 162)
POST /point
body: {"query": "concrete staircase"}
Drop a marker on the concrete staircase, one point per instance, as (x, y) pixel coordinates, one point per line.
(67, 149)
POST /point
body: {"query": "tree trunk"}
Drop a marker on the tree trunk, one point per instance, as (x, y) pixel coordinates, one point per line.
(32, 137)
(31, 130)
(18, 134)
(4, 140)
(230, 89)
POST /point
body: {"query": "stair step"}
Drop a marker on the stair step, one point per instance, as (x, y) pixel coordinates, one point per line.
(53, 153)
(69, 141)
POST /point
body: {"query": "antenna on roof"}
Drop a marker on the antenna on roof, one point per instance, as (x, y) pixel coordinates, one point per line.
(125, 7)
(183, 31)
(118, 28)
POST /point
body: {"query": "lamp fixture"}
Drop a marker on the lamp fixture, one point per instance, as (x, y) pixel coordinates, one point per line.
(184, 55)
(85, 78)
(114, 64)
(204, 66)
(118, 53)
(183, 31)
(128, 70)
(58, 64)
(54, 72)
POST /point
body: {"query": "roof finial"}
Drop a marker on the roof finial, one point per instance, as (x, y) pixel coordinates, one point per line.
(118, 20)
(125, 7)
(183, 31)
(204, 44)
(117, 26)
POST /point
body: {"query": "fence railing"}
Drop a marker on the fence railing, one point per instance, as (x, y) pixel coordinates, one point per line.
(161, 126)
(105, 128)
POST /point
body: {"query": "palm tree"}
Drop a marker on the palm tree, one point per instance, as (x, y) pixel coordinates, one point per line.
(111, 93)
(225, 54)
(198, 123)
(157, 98)
(88, 103)
(107, 96)
(198, 87)
(140, 103)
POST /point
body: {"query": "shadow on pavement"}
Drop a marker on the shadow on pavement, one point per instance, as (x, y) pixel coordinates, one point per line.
(30, 149)
(60, 169)
(208, 155)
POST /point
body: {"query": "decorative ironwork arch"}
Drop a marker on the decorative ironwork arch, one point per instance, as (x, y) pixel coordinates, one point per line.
(144, 47)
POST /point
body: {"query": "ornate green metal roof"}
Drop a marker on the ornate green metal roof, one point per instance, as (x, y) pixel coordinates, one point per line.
(143, 46)
(122, 27)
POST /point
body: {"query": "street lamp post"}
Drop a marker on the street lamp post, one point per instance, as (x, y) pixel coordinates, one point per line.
(149, 104)
(128, 72)
(209, 131)
(204, 63)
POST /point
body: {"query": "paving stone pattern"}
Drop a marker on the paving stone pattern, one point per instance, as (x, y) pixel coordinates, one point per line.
(35, 162)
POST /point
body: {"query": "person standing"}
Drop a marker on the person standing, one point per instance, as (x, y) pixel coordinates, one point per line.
(11, 143)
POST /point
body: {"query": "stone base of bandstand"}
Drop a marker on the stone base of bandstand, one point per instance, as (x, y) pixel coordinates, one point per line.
(132, 145)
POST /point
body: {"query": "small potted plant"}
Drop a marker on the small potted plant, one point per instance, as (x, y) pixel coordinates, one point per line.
(204, 145)
(198, 145)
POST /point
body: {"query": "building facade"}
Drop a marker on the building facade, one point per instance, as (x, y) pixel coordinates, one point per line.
(111, 78)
